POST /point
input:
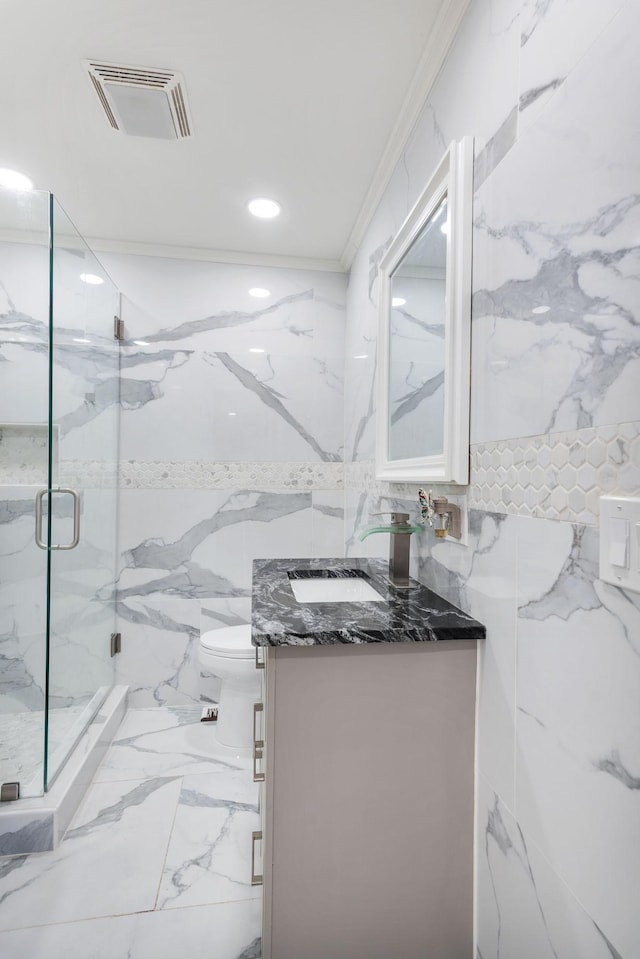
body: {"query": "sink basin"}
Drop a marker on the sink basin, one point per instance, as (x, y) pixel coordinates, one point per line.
(351, 589)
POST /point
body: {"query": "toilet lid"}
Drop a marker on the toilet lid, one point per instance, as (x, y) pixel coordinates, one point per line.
(229, 640)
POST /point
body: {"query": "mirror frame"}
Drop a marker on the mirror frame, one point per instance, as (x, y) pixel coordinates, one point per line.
(453, 178)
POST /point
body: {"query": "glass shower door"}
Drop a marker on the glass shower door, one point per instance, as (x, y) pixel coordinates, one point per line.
(24, 454)
(84, 423)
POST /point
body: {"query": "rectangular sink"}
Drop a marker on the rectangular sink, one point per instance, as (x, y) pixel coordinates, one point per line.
(352, 589)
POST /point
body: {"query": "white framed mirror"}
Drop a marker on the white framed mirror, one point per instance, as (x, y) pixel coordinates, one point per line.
(425, 331)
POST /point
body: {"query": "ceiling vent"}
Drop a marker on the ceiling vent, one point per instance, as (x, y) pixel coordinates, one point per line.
(140, 101)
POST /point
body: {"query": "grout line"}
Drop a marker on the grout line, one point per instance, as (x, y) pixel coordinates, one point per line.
(166, 852)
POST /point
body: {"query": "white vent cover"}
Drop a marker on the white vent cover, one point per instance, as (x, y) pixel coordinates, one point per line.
(141, 101)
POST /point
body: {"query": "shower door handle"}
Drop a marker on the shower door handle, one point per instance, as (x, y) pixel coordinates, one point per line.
(76, 518)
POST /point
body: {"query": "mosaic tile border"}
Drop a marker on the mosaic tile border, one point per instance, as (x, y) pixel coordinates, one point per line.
(201, 474)
(552, 476)
(557, 475)
(191, 474)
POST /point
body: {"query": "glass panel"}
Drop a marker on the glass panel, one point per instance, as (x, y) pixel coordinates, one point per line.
(24, 454)
(417, 344)
(85, 423)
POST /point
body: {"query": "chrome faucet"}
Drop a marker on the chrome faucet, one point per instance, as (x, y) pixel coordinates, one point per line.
(399, 546)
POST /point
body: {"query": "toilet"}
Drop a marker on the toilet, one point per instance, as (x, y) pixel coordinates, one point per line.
(229, 655)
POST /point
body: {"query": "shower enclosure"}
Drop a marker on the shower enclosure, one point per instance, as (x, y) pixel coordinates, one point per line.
(59, 375)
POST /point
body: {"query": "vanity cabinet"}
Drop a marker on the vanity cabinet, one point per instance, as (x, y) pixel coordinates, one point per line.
(367, 800)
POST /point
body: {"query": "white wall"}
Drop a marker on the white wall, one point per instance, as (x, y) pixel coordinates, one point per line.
(204, 492)
(549, 91)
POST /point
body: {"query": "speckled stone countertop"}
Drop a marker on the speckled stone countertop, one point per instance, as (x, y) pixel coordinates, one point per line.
(413, 615)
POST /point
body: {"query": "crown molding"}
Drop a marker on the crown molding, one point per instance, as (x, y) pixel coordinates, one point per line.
(101, 245)
(433, 56)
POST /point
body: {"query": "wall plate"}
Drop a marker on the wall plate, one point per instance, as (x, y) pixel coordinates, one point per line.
(620, 541)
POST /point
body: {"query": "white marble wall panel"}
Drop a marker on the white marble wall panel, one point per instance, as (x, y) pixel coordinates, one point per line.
(360, 357)
(159, 658)
(327, 523)
(219, 405)
(554, 37)
(578, 722)
(555, 332)
(478, 89)
(524, 910)
(253, 378)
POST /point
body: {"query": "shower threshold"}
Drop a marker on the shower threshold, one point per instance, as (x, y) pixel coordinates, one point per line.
(38, 824)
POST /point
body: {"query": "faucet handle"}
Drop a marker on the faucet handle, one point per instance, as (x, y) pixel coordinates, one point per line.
(395, 516)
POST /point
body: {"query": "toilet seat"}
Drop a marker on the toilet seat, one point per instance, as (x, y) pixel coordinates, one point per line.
(230, 642)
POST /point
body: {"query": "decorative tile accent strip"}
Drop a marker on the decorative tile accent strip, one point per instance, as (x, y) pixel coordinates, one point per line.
(201, 474)
(557, 475)
(553, 476)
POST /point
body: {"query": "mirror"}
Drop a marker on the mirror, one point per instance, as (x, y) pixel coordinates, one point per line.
(424, 335)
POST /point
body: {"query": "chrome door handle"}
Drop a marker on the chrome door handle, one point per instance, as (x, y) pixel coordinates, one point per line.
(38, 533)
(76, 518)
(259, 662)
(255, 837)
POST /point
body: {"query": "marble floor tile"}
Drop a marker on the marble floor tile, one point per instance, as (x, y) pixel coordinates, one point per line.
(209, 855)
(227, 931)
(168, 741)
(109, 863)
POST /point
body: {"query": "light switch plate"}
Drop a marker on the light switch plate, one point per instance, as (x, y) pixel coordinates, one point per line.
(620, 541)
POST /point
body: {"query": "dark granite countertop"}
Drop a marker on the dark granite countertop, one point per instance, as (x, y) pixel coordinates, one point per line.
(413, 615)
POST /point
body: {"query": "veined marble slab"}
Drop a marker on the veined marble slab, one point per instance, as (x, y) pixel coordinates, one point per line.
(406, 616)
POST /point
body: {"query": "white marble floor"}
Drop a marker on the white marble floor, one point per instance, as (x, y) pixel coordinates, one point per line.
(156, 862)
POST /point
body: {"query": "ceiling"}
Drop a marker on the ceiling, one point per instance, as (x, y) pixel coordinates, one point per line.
(307, 102)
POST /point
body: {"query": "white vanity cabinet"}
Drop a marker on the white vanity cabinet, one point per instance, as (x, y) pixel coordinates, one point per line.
(367, 801)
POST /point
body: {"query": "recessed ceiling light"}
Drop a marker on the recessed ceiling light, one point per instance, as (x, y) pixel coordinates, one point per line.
(256, 349)
(79, 339)
(259, 291)
(13, 180)
(361, 356)
(91, 278)
(541, 309)
(398, 301)
(232, 414)
(141, 343)
(263, 207)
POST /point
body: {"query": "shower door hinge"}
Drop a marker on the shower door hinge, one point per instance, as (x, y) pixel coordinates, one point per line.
(116, 643)
(9, 792)
(118, 328)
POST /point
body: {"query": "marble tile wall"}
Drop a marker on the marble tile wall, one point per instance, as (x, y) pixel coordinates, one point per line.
(231, 449)
(547, 90)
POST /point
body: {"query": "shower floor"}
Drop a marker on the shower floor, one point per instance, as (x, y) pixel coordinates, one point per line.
(22, 744)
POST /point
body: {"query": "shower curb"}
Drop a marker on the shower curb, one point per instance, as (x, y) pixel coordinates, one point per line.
(38, 825)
